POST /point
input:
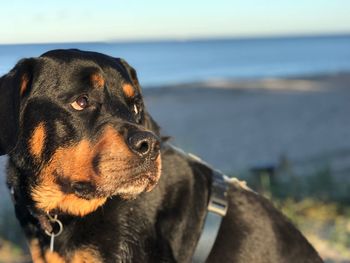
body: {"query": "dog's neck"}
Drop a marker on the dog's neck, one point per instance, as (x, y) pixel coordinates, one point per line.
(37, 220)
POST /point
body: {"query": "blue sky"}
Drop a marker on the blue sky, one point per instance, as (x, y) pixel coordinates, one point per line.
(37, 21)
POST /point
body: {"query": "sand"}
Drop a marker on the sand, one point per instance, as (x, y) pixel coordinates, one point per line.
(237, 125)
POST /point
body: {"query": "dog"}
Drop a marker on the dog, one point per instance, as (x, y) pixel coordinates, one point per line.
(93, 180)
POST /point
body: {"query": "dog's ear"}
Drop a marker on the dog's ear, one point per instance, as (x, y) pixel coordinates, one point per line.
(150, 124)
(13, 86)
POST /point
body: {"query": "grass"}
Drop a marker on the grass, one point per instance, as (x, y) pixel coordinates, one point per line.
(325, 224)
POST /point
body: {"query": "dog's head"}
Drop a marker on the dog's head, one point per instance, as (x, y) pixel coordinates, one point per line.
(75, 126)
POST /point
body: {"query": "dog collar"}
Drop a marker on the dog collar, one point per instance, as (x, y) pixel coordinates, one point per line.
(216, 210)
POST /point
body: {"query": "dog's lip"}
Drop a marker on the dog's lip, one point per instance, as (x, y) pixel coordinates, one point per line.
(139, 177)
(141, 168)
(148, 180)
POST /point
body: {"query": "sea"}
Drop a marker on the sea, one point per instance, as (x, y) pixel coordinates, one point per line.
(161, 63)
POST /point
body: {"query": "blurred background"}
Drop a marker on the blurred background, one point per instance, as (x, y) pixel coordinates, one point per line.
(259, 89)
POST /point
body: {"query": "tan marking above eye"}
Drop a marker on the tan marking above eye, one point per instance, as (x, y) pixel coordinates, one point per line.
(97, 80)
(128, 90)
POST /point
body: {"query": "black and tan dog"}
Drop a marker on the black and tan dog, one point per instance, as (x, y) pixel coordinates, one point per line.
(83, 148)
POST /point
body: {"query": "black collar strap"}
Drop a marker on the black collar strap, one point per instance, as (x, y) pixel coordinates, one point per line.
(216, 210)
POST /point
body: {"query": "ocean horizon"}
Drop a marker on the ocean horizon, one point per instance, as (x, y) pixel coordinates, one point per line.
(167, 62)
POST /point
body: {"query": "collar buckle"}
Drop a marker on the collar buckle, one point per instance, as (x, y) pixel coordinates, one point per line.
(218, 203)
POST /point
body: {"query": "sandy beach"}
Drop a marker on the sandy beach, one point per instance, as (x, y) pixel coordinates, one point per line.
(237, 125)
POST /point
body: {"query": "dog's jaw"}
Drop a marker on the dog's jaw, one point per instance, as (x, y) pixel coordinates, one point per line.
(48, 198)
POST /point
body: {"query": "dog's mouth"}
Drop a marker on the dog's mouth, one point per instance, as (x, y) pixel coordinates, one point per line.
(126, 182)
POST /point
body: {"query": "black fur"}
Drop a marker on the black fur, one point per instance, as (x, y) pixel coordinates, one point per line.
(163, 225)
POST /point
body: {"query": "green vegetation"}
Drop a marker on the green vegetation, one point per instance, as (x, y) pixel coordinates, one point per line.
(282, 183)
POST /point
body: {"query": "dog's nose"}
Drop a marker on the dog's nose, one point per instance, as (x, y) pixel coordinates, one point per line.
(145, 144)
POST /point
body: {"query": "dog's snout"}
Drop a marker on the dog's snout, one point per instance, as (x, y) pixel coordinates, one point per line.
(144, 144)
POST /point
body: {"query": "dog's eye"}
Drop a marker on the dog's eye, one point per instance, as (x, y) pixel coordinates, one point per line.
(80, 103)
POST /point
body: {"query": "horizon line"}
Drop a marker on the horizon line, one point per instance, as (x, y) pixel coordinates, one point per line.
(187, 39)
